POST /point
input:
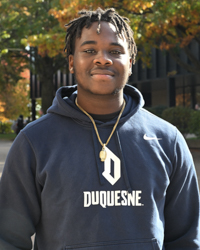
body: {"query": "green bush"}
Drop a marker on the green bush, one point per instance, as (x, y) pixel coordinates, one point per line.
(179, 117)
(195, 123)
(157, 110)
(5, 127)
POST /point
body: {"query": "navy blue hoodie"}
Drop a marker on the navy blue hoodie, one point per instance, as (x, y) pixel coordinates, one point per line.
(143, 197)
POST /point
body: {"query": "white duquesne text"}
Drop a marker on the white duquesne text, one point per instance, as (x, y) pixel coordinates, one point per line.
(112, 198)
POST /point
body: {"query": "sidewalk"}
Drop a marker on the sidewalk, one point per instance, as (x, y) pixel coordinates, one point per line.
(5, 146)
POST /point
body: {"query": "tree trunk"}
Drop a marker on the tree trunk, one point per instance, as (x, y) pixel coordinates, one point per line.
(47, 92)
(46, 70)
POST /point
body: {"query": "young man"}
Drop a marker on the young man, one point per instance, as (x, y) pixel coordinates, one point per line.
(106, 174)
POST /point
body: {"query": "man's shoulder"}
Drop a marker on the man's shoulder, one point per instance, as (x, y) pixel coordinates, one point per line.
(41, 126)
(150, 124)
(39, 123)
(156, 120)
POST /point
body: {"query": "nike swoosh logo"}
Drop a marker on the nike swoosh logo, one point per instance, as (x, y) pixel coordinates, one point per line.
(146, 138)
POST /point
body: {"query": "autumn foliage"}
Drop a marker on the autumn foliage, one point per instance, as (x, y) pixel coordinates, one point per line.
(15, 100)
(163, 24)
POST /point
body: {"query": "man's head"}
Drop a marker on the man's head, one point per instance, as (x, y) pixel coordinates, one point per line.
(100, 52)
(87, 18)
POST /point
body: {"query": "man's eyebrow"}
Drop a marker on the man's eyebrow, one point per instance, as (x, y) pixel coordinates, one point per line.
(94, 42)
(117, 44)
(88, 42)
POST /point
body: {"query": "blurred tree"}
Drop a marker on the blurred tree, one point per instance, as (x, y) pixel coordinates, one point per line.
(9, 70)
(171, 26)
(24, 25)
(15, 100)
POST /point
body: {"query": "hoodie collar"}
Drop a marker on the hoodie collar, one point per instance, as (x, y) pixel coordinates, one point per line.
(64, 104)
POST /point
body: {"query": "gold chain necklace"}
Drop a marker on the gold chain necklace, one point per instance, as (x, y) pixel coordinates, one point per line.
(102, 153)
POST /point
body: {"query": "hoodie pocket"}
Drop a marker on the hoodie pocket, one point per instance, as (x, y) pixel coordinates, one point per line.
(140, 244)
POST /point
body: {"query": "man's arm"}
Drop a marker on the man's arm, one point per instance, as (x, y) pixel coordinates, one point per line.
(19, 197)
(182, 209)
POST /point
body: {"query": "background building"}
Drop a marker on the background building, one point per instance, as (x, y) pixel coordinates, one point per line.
(166, 83)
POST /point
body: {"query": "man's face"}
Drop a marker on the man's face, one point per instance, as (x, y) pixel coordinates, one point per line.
(101, 62)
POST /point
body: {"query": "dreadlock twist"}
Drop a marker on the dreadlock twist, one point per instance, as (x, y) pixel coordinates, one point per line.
(75, 27)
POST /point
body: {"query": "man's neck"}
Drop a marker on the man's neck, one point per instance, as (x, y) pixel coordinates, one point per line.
(101, 105)
(105, 118)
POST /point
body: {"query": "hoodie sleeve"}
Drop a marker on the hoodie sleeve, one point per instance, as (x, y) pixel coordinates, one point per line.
(19, 197)
(182, 209)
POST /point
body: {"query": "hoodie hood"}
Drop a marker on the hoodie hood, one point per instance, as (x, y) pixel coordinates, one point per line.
(64, 104)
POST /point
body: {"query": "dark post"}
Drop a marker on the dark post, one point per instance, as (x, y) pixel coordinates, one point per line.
(33, 84)
(33, 109)
(172, 92)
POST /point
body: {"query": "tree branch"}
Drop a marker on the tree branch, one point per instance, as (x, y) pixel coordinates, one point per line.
(181, 30)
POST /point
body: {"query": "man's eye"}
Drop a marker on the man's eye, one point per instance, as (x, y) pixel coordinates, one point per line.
(90, 51)
(115, 52)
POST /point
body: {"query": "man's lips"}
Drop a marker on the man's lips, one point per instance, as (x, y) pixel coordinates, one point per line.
(102, 74)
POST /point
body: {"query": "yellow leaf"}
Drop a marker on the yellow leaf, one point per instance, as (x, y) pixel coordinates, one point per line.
(4, 51)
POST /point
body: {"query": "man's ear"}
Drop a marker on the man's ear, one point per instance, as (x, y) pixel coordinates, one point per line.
(130, 66)
(71, 64)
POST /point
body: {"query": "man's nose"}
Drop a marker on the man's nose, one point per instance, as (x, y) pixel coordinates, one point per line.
(103, 59)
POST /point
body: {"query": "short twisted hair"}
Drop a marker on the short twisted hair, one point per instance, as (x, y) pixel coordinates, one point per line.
(75, 27)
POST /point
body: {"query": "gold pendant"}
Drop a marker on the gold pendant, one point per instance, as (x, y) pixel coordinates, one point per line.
(103, 154)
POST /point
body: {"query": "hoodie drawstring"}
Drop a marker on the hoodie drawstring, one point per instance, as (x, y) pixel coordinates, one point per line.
(124, 170)
(99, 163)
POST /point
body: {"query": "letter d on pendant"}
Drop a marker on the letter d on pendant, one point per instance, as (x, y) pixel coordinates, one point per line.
(107, 167)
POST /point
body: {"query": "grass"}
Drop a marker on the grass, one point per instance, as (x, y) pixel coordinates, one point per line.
(9, 137)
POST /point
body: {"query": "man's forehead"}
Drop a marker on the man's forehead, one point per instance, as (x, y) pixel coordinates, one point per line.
(103, 26)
